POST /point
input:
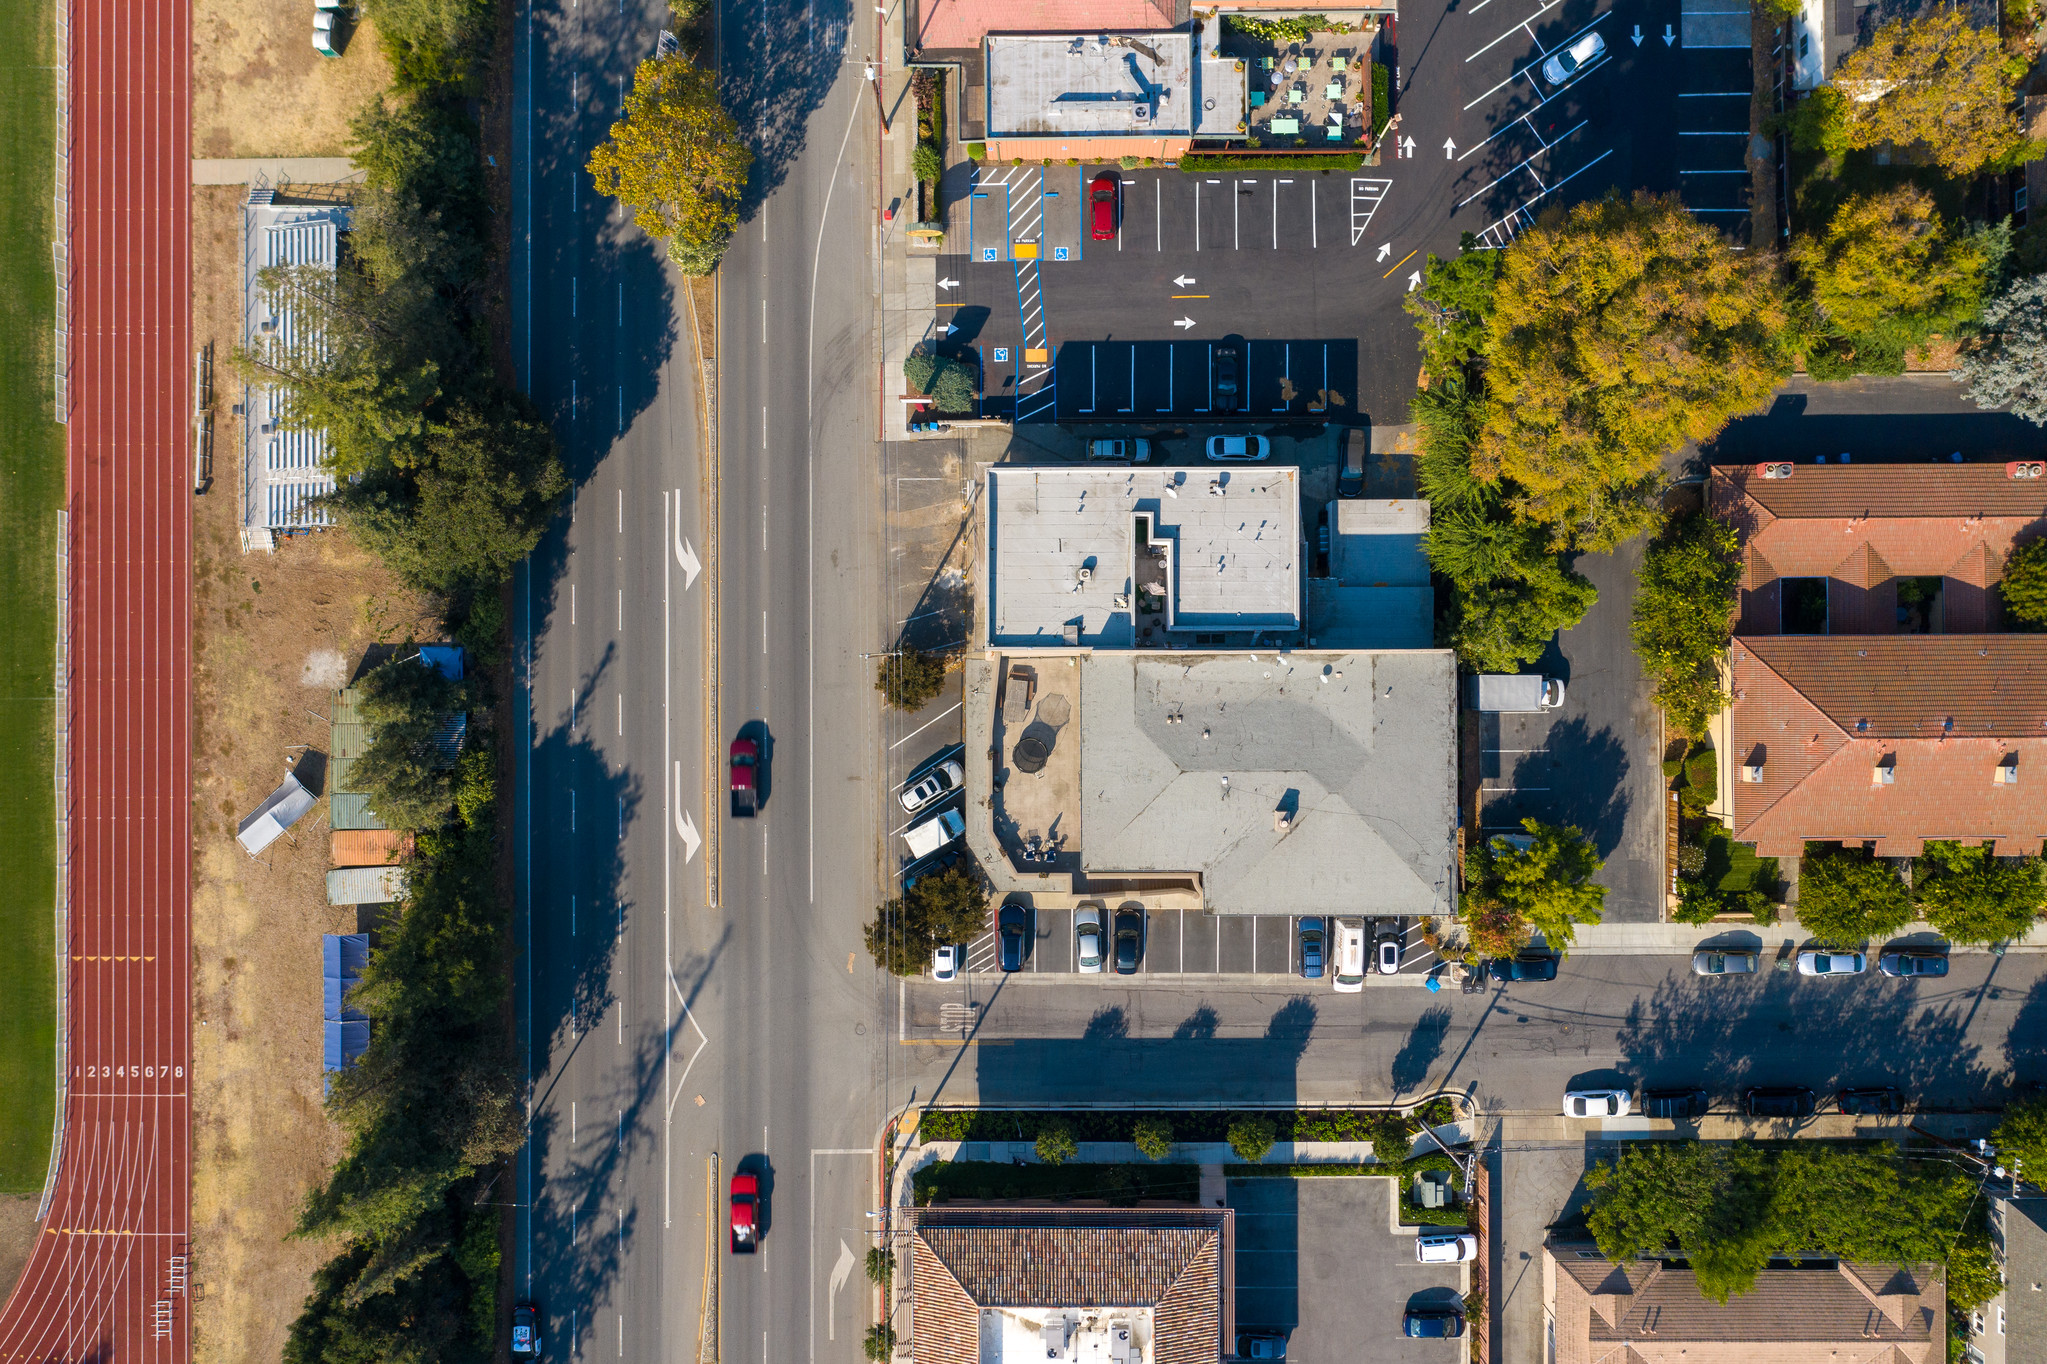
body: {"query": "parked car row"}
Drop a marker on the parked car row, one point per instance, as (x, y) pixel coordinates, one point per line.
(1904, 963)
(1689, 1102)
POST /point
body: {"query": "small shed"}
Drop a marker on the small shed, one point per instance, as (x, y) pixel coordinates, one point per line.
(370, 847)
(346, 1029)
(279, 811)
(365, 885)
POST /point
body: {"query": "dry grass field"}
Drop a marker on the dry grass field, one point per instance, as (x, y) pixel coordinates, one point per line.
(259, 89)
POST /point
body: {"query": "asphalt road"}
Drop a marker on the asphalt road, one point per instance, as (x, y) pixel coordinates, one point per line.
(1951, 1044)
(666, 1016)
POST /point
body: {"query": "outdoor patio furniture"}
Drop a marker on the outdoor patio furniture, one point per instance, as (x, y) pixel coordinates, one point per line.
(1335, 90)
(1336, 132)
(1276, 79)
(1295, 95)
(1338, 63)
(1265, 63)
(1286, 125)
(1257, 98)
(1289, 65)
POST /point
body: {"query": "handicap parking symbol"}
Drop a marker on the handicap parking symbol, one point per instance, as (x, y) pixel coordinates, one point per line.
(987, 253)
(1059, 253)
(1001, 355)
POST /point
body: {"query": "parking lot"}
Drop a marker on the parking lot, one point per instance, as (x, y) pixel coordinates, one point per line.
(1485, 143)
(1317, 1263)
(1191, 943)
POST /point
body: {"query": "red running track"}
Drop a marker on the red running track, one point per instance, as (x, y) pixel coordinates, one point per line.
(107, 1278)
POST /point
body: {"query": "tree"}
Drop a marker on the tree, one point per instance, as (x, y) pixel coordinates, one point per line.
(950, 907)
(881, 1266)
(676, 158)
(1887, 260)
(1619, 331)
(1683, 617)
(925, 162)
(948, 381)
(1251, 1136)
(909, 678)
(1055, 1144)
(880, 1344)
(2021, 1138)
(1846, 897)
(2023, 588)
(1153, 1135)
(2008, 366)
(1938, 81)
(1549, 886)
(1971, 896)
(1494, 929)
(408, 768)
(1452, 307)
(431, 43)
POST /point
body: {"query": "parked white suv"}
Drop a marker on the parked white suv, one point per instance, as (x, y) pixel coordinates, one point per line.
(1438, 1248)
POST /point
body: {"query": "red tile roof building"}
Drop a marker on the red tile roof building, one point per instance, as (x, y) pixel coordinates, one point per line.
(1861, 733)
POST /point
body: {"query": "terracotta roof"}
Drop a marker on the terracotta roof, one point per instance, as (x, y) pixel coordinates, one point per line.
(1821, 713)
(1824, 1313)
(1173, 1260)
(956, 24)
(1876, 491)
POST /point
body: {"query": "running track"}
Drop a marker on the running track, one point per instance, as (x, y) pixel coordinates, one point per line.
(107, 1278)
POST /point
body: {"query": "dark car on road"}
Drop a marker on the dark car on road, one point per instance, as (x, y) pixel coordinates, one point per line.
(1527, 966)
(1873, 1101)
(1432, 1323)
(1229, 377)
(1261, 1345)
(1011, 929)
(1129, 942)
(1678, 1105)
(1350, 479)
(1101, 206)
(1313, 944)
(1779, 1101)
(526, 1340)
(1909, 964)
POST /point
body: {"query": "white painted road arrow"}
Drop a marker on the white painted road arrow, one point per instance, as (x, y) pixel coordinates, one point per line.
(685, 827)
(954, 284)
(842, 1270)
(1414, 281)
(1385, 250)
(1449, 148)
(1409, 146)
(1636, 36)
(1668, 36)
(684, 555)
(1183, 280)
(951, 327)
(1184, 322)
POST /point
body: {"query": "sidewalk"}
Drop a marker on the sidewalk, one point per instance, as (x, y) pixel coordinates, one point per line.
(1682, 939)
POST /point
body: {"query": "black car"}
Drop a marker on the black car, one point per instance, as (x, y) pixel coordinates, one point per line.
(1312, 948)
(1011, 922)
(1527, 966)
(1129, 942)
(1350, 481)
(1678, 1105)
(1432, 1323)
(1229, 377)
(1871, 1101)
(1779, 1101)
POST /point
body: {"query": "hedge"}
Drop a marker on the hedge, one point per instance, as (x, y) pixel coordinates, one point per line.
(1205, 1124)
(1198, 162)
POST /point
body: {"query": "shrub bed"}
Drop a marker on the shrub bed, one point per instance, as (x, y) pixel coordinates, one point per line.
(1207, 1124)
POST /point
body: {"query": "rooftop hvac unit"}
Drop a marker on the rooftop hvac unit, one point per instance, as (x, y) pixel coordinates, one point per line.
(1752, 772)
(1883, 774)
(1776, 470)
(2006, 773)
(2026, 469)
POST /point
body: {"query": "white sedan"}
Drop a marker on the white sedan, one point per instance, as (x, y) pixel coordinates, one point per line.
(1244, 448)
(1596, 1103)
(1831, 963)
(1434, 1248)
(1563, 65)
(940, 780)
(945, 964)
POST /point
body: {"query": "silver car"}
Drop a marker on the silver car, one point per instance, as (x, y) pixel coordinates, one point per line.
(1239, 448)
(940, 781)
(1089, 950)
(1562, 66)
(1723, 963)
(1831, 963)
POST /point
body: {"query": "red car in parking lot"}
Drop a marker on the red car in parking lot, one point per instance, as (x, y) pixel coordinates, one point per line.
(746, 1196)
(1101, 198)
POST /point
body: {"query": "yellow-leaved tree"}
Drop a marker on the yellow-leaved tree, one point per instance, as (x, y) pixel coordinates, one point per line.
(1619, 331)
(1888, 260)
(676, 160)
(1936, 80)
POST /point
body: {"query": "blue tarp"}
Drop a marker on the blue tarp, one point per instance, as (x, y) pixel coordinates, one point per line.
(342, 959)
(445, 659)
(345, 1042)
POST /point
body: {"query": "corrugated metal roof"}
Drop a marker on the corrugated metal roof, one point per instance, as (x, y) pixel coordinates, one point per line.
(351, 810)
(365, 885)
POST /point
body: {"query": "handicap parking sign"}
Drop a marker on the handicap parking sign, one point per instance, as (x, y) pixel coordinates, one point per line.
(1001, 355)
(987, 253)
(1058, 253)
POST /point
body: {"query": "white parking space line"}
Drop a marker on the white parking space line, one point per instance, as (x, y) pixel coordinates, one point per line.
(1365, 198)
(1158, 215)
(1525, 24)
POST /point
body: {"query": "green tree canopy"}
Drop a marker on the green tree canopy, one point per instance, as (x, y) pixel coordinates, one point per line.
(1938, 81)
(1619, 331)
(676, 159)
(408, 768)
(2023, 589)
(1153, 1135)
(1055, 1144)
(1251, 1136)
(909, 678)
(2007, 365)
(1846, 897)
(1453, 306)
(1887, 260)
(432, 43)
(1684, 617)
(1549, 886)
(1971, 896)
(949, 907)
(2021, 1138)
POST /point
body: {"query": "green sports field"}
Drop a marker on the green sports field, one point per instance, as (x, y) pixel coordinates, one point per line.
(31, 493)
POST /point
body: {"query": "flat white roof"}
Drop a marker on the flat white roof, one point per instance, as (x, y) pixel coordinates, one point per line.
(1063, 550)
(1091, 85)
(1066, 1335)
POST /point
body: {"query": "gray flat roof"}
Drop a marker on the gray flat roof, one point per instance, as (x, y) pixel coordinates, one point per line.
(1377, 595)
(1232, 536)
(1091, 85)
(1186, 757)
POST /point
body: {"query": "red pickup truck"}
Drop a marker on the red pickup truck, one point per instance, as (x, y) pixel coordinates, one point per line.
(746, 758)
